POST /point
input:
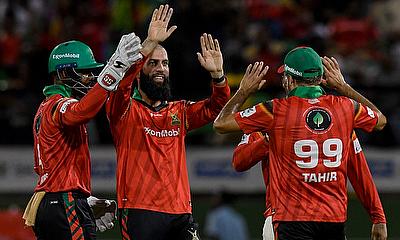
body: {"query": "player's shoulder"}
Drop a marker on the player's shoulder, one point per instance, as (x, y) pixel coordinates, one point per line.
(337, 98)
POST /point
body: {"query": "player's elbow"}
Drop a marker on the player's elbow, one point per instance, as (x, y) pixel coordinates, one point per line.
(237, 166)
(381, 123)
(219, 126)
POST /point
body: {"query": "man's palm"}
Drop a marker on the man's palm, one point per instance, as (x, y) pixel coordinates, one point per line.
(213, 61)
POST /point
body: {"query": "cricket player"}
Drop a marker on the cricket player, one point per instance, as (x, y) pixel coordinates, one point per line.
(310, 139)
(59, 208)
(254, 148)
(149, 136)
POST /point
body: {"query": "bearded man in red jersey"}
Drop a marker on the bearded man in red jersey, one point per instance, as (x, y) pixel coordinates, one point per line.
(310, 138)
(149, 136)
(59, 208)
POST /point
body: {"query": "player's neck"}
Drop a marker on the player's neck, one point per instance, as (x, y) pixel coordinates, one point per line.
(147, 100)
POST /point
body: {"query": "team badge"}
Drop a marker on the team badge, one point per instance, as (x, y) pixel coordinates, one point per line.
(175, 119)
(318, 120)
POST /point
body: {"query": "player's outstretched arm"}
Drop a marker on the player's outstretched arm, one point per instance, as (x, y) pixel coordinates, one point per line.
(158, 31)
(335, 80)
(211, 58)
(251, 82)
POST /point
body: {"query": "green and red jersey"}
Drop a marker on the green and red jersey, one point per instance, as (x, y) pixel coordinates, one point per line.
(310, 140)
(150, 146)
(61, 152)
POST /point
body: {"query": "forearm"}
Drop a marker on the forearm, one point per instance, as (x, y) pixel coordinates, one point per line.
(87, 108)
(349, 92)
(148, 46)
(225, 121)
(245, 156)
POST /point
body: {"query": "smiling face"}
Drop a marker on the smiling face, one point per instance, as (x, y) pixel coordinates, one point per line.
(154, 76)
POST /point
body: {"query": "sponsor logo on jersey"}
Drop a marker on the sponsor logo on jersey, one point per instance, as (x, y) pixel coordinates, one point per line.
(161, 133)
(248, 112)
(318, 120)
(156, 114)
(313, 101)
(370, 112)
(63, 108)
(43, 178)
(175, 119)
(357, 146)
(66, 55)
(245, 139)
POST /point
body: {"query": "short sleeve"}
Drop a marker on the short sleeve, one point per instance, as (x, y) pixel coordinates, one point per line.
(365, 118)
(257, 118)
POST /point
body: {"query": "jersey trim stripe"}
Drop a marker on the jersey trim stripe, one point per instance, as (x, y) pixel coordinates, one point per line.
(358, 113)
(262, 106)
(75, 227)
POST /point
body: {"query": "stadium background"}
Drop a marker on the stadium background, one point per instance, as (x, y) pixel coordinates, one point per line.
(364, 35)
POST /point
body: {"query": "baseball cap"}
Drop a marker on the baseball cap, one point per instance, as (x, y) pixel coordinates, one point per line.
(302, 62)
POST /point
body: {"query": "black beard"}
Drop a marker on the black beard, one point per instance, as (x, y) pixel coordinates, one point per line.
(154, 91)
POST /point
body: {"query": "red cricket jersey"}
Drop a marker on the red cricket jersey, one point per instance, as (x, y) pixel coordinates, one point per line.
(150, 146)
(61, 151)
(254, 148)
(309, 147)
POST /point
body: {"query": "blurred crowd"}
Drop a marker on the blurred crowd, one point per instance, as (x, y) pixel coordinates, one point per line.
(363, 35)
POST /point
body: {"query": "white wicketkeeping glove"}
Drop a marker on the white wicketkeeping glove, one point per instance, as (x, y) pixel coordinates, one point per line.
(104, 212)
(127, 53)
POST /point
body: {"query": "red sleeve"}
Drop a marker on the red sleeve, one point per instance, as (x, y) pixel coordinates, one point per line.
(70, 111)
(365, 118)
(205, 111)
(119, 100)
(361, 179)
(252, 149)
(258, 118)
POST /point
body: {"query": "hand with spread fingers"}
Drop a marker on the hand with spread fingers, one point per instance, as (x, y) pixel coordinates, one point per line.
(210, 57)
(158, 29)
(252, 80)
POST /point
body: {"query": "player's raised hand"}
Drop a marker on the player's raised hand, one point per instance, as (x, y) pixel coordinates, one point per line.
(158, 29)
(253, 78)
(211, 57)
(333, 77)
(379, 231)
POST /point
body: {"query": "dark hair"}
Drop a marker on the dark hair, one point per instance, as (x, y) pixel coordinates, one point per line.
(309, 81)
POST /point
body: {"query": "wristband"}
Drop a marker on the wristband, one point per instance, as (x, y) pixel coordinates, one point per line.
(218, 80)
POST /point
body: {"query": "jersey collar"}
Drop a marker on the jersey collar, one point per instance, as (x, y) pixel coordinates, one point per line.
(138, 97)
(307, 92)
(63, 90)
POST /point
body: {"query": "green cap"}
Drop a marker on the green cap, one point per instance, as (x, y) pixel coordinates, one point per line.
(302, 62)
(74, 54)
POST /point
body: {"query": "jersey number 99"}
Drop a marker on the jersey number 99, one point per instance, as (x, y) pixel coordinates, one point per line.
(309, 149)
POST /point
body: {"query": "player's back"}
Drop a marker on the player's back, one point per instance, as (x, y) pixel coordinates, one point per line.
(309, 144)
